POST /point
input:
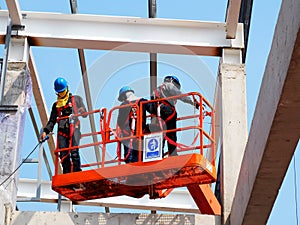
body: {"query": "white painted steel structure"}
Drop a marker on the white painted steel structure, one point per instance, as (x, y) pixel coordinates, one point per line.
(205, 39)
(125, 33)
(40, 29)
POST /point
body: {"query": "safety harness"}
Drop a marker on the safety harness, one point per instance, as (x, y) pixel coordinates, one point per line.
(61, 111)
(131, 120)
(158, 95)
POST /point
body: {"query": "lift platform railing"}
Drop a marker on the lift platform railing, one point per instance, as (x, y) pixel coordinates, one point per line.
(109, 132)
(205, 110)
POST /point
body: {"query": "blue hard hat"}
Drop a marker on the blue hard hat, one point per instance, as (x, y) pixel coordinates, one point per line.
(122, 91)
(60, 84)
(173, 78)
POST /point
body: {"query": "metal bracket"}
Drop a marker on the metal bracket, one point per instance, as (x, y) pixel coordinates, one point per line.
(1, 63)
(4, 61)
(18, 27)
(8, 108)
(15, 28)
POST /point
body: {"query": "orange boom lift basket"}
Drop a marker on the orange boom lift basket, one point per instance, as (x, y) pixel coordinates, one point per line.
(194, 165)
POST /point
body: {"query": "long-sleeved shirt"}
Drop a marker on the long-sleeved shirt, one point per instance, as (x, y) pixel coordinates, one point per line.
(65, 112)
(124, 122)
(168, 89)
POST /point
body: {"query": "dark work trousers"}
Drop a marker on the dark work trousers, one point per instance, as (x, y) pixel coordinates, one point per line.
(131, 154)
(63, 142)
(170, 123)
(131, 151)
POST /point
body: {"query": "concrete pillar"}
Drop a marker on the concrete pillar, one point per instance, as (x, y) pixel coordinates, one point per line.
(234, 125)
(16, 91)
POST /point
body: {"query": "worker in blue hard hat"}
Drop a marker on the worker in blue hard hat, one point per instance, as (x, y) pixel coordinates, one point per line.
(127, 121)
(166, 108)
(68, 128)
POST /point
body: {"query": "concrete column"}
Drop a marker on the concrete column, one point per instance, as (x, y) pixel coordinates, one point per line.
(234, 125)
(15, 97)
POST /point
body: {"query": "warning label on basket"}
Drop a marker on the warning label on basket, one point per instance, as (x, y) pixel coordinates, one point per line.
(152, 147)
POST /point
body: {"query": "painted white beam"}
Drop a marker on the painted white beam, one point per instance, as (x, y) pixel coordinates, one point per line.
(125, 33)
(232, 17)
(178, 201)
(14, 11)
(275, 128)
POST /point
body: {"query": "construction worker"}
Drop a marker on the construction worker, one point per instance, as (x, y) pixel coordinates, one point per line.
(68, 134)
(127, 121)
(166, 110)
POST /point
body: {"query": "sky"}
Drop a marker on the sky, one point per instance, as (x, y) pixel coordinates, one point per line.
(108, 71)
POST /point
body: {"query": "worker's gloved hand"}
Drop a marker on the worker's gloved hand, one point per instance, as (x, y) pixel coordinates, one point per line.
(43, 137)
(81, 110)
(196, 104)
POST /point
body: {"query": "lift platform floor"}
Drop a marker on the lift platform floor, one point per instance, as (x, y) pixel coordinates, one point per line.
(136, 179)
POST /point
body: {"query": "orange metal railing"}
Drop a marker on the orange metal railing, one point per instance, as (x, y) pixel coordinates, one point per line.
(109, 132)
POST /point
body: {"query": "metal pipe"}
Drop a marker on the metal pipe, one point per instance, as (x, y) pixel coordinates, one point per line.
(153, 56)
(5, 61)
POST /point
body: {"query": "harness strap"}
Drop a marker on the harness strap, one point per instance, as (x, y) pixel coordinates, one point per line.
(171, 116)
(180, 145)
(60, 109)
(119, 144)
(75, 110)
(158, 96)
(72, 128)
(132, 115)
(116, 135)
(63, 134)
(64, 158)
